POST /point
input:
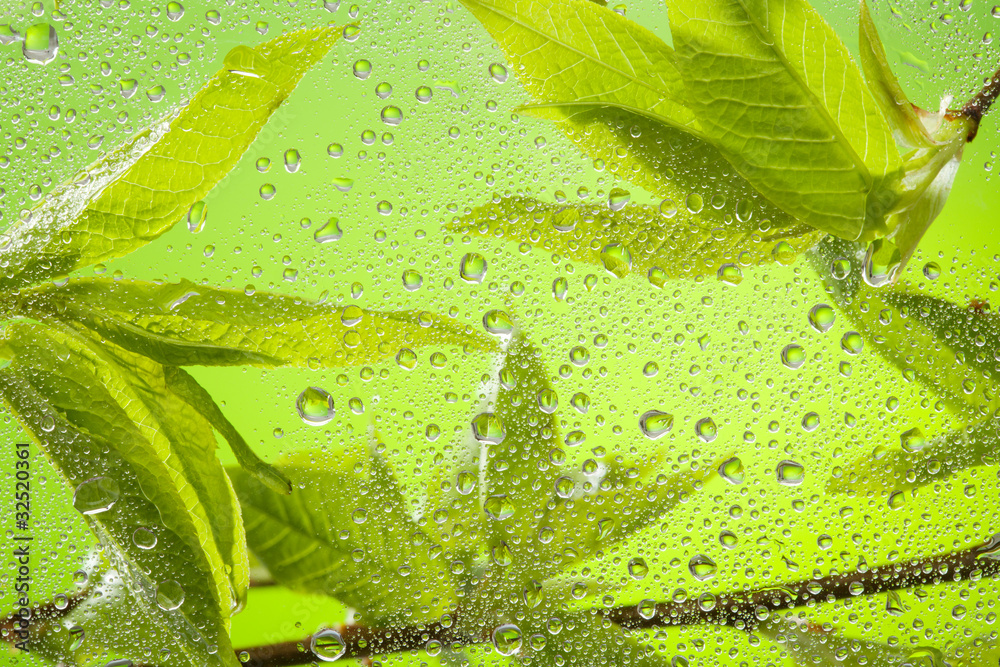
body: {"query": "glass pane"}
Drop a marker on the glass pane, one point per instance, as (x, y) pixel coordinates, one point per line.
(498, 332)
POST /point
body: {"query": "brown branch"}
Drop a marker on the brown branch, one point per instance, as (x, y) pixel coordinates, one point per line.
(741, 610)
(979, 105)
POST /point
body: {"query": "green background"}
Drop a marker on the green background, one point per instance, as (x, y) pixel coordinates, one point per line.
(429, 177)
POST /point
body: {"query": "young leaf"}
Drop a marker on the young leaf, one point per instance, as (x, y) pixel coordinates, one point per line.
(183, 324)
(575, 53)
(671, 244)
(346, 532)
(518, 469)
(129, 476)
(774, 88)
(141, 189)
(907, 126)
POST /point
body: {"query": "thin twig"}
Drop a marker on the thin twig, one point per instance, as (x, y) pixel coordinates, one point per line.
(979, 105)
(741, 610)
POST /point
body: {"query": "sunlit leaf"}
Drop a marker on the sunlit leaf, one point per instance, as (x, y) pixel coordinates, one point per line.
(92, 419)
(776, 90)
(145, 186)
(580, 54)
(183, 324)
(345, 531)
(661, 246)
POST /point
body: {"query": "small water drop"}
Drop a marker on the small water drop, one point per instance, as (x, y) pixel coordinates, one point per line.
(702, 567)
(392, 115)
(144, 538)
(472, 268)
(618, 198)
(852, 342)
(617, 259)
(362, 69)
(498, 323)
(499, 507)
(498, 72)
(465, 482)
(790, 473)
(646, 609)
(293, 160)
(175, 11)
(406, 359)
(197, 217)
(913, 440)
(96, 495)
(315, 406)
(560, 286)
(822, 317)
(706, 430)
(637, 568)
(810, 422)
(412, 280)
(169, 595)
(730, 274)
(564, 487)
(793, 356)
(732, 471)
(932, 270)
(655, 423)
(507, 639)
(328, 645)
(548, 401)
(41, 44)
(331, 231)
(487, 427)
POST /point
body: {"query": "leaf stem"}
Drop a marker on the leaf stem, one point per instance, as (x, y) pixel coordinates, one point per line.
(979, 105)
(740, 610)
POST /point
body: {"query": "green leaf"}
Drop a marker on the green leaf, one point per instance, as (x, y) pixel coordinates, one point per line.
(346, 531)
(93, 420)
(580, 54)
(907, 126)
(675, 245)
(518, 469)
(811, 644)
(144, 187)
(775, 89)
(187, 388)
(183, 324)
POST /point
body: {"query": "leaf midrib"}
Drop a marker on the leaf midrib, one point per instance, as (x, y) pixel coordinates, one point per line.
(660, 92)
(762, 35)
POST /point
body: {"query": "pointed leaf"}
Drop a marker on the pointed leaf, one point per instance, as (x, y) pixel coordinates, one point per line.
(578, 53)
(143, 188)
(777, 92)
(659, 246)
(96, 429)
(183, 324)
(345, 531)
(902, 117)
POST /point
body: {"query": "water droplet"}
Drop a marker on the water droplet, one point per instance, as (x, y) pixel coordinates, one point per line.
(810, 422)
(637, 568)
(362, 69)
(617, 259)
(502, 554)
(650, 369)
(499, 507)
(213, 17)
(646, 609)
(498, 323)
(424, 94)
(169, 595)
(893, 605)
(790, 473)
(412, 280)
(560, 286)
(783, 253)
(96, 495)
(618, 198)
(77, 635)
(196, 217)
(473, 268)
(728, 539)
(533, 593)
(605, 527)
(356, 405)
(293, 160)
(507, 639)
(392, 115)
(581, 402)
(932, 270)
(244, 61)
(730, 274)
(575, 438)
(852, 342)
(465, 483)
(655, 423)
(127, 87)
(913, 440)
(657, 277)
(156, 93)
(329, 232)
(328, 645)
(315, 406)
(732, 470)
(267, 191)
(548, 401)
(488, 428)
(706, 429)
(822, 317)
(579, 355)
(175, 11)
(896, 500)
(144, 538)
(702, 567)
(41, 44)
(694, 203)
(564, 487)
(498, 72)
(793, 356)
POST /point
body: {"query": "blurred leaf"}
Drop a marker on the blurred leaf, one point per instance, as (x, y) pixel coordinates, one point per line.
(183, 324)
(345, 532)
(906, 124)
(519, 468)
(145, 186)
(810, 644)
(580, 54)
(659, 246)
(688, 173)
(90, 417)
(775, 89)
